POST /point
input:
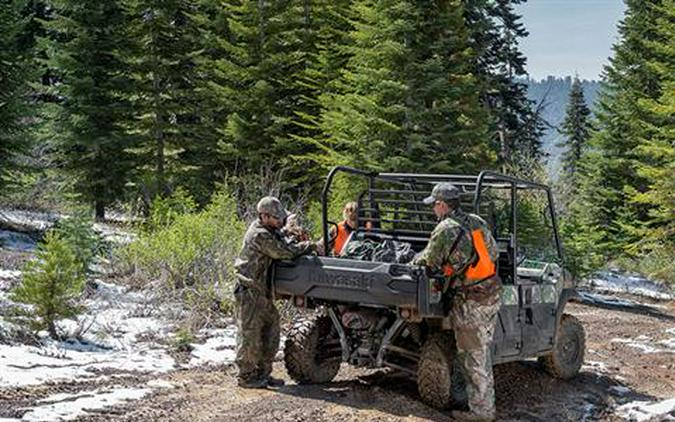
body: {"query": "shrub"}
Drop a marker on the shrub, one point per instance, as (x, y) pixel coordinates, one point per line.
(164, 211)
(182, 343)
(52, 283)
(193, 256)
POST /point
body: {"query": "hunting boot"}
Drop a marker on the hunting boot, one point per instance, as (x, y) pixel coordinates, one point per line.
(275, 382)
(253, 383)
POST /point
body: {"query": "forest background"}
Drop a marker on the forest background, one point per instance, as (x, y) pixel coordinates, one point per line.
(183, 113)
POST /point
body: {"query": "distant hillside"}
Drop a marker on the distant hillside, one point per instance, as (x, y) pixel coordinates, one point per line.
(554, 91)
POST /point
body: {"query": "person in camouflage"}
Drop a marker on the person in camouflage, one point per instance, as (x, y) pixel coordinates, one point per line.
(256, 314)
(462, 247)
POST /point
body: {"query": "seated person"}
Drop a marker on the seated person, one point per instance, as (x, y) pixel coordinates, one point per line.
(344, 228)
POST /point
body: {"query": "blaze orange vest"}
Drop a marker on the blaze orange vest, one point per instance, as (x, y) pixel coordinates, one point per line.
(343, 232)
(483, 268)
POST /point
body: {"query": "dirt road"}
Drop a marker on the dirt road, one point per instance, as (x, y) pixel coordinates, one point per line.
(630, 357)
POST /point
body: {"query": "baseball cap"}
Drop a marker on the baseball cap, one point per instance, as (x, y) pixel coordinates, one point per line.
(445, 192)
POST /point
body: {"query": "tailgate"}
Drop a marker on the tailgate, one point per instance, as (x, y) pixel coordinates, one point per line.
(353, 281)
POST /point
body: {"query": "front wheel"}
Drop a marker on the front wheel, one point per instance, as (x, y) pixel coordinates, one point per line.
(312, 352)
(567, 356)
(435, 370)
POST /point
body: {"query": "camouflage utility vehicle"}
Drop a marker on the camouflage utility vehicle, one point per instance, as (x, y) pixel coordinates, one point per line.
(391, 314)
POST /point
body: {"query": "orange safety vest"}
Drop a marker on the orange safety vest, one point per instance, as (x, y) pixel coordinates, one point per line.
(483, 268)
(343, 232)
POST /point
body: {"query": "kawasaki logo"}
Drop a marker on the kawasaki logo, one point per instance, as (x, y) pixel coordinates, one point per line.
(345, 280)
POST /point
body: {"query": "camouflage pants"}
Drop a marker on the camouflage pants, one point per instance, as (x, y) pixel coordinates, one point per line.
(474, 324)
(257, 335)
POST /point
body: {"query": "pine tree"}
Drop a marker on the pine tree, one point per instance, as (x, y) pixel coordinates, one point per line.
(656, 152)
(52, 283)
(324, 53)
(576, 128)
(609, 176)
(407, 93)
(266, 81)
(500, 68)
(15, 76)
(166, 103)
(87, 120)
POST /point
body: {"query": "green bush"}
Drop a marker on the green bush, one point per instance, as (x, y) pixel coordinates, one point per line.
(182, 343)
(53, 283)
(164, 211)
(194, 255)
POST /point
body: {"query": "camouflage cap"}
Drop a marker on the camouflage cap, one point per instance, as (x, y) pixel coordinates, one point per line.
(272, 206)
(445, 192)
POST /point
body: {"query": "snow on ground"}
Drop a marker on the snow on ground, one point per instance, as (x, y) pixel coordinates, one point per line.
(218, 349)
(15, 241)
(614, 281)
(648, 345)
(37, 220)
(64, 407)
(596, 367)
(40, 221)
(113, 340)
(643, 410)
(119, 335)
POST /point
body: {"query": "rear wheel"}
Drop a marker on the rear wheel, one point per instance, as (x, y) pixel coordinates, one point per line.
(567, 356)
(312, 352)
(435, 370)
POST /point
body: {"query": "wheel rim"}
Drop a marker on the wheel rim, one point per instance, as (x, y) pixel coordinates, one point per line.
(569, 349)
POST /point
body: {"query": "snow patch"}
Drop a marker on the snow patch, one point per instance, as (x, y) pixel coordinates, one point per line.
(620, 389)
(16, 241)
(9, 274)
(614, 281)
(36, 220)
(116, 338)
(28, 365)
(160, 384)
(595, 366)
(71, 406)
(643, 410)
(641, 345)
(218, 349)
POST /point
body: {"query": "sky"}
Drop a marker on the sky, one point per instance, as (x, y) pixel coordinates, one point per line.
(569, 37)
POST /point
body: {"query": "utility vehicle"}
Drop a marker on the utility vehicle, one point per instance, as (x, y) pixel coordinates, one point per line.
(389, 314)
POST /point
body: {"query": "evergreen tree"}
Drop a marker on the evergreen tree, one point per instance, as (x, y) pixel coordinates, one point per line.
(407, 93)
(499, 66)
(87, 120)
(324, 52)
(268, 84)
(656, 152)
(609, 169)
(166, 103)
(576, 128)
(52, 283)
(15, 76)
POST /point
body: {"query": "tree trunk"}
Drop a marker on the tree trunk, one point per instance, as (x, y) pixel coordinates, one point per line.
(51, 328)
(100, 210)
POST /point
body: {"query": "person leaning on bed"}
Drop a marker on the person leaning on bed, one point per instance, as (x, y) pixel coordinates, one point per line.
(257, 317)
(463, 248)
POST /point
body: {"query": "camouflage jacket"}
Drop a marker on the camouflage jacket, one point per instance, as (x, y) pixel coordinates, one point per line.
(451, 244)
(262, 246)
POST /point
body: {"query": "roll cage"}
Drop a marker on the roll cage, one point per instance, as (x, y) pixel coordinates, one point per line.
(391, 207)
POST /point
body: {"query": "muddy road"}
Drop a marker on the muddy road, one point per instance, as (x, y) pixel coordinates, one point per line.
(630, 358)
